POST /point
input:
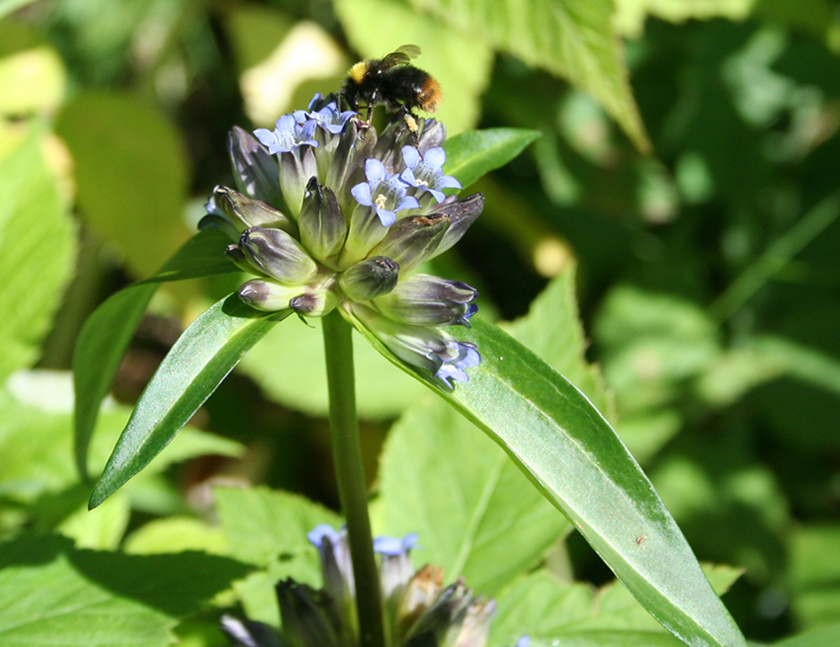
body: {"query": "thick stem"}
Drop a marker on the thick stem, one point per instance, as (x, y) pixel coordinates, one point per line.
(352, 490)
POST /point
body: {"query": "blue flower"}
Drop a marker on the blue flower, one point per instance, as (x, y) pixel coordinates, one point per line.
(430, 349)
(426, 173)
(384, 192)
(329, 117)
(394, 547)
(457, 357)
(287, 135)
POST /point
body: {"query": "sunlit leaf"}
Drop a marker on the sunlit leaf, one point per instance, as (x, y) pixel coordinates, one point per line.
(200, 359)
(573, 39)
(8, 6)
(131, 170)
(567, 613)
(481, 537)
(473, 154)
(31, 81)
(552, 330)
(48, 589)
(268, 529)
(476, 514)
(37, 250)
(173, 535)
(631, 14)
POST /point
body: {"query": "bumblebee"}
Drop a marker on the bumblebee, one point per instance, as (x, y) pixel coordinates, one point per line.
(394, 83)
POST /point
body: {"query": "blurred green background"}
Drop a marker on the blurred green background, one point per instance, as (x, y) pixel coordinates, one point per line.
(704, 226)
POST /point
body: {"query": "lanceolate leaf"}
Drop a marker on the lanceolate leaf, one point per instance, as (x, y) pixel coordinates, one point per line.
(473, 154)
(573, 456)
(108, 331)
(200, 359)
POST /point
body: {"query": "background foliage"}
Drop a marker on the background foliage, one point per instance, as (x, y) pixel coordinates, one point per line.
(705, 275)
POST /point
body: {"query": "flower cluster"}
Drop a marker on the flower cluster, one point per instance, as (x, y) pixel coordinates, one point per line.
(328, 213)
(418, 611)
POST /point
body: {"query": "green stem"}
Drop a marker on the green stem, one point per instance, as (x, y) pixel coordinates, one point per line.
(352, 489)
(777, 257)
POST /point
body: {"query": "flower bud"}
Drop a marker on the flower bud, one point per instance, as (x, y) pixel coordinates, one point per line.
(422, 590)
(255, 170)
(322, 225)
(296, 167)
(472, 628)
(462, 214)
(412, 240)
(278, 255)
(237, 256)
(426, 300)
(245, 212)
(267, 295)
(395, 567)
(369, 278)
(249, 633)
(306, 617)
(315, 303)
(337, 570)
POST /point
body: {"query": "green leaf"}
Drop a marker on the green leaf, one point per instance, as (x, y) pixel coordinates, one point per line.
(174, 535)
(573, 456)
(462, 65)
(815, 571)
(763, 358)
(381, 391)
(132, 174)
(573, 39)
(50, 591)
(37, 475)
(612, 639)
(44, 596)
(653, 343)
(32, 79)
(470, 505)
(541, 606)
(552, 330)
(8, 6)
(630, 15)
(615, 608)
(37, 250)
(570, 613)
(107, 333)
(823, 637)
(200, 359)
(261, 523)
(268, 528)
(473, 154)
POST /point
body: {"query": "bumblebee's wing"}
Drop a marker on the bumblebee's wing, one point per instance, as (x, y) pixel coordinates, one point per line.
(402, 56)
(411, 51)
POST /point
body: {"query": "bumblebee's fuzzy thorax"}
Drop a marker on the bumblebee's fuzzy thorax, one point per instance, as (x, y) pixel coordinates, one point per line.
(357, 72)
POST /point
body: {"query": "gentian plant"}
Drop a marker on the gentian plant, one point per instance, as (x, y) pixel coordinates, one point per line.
(332, 218)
